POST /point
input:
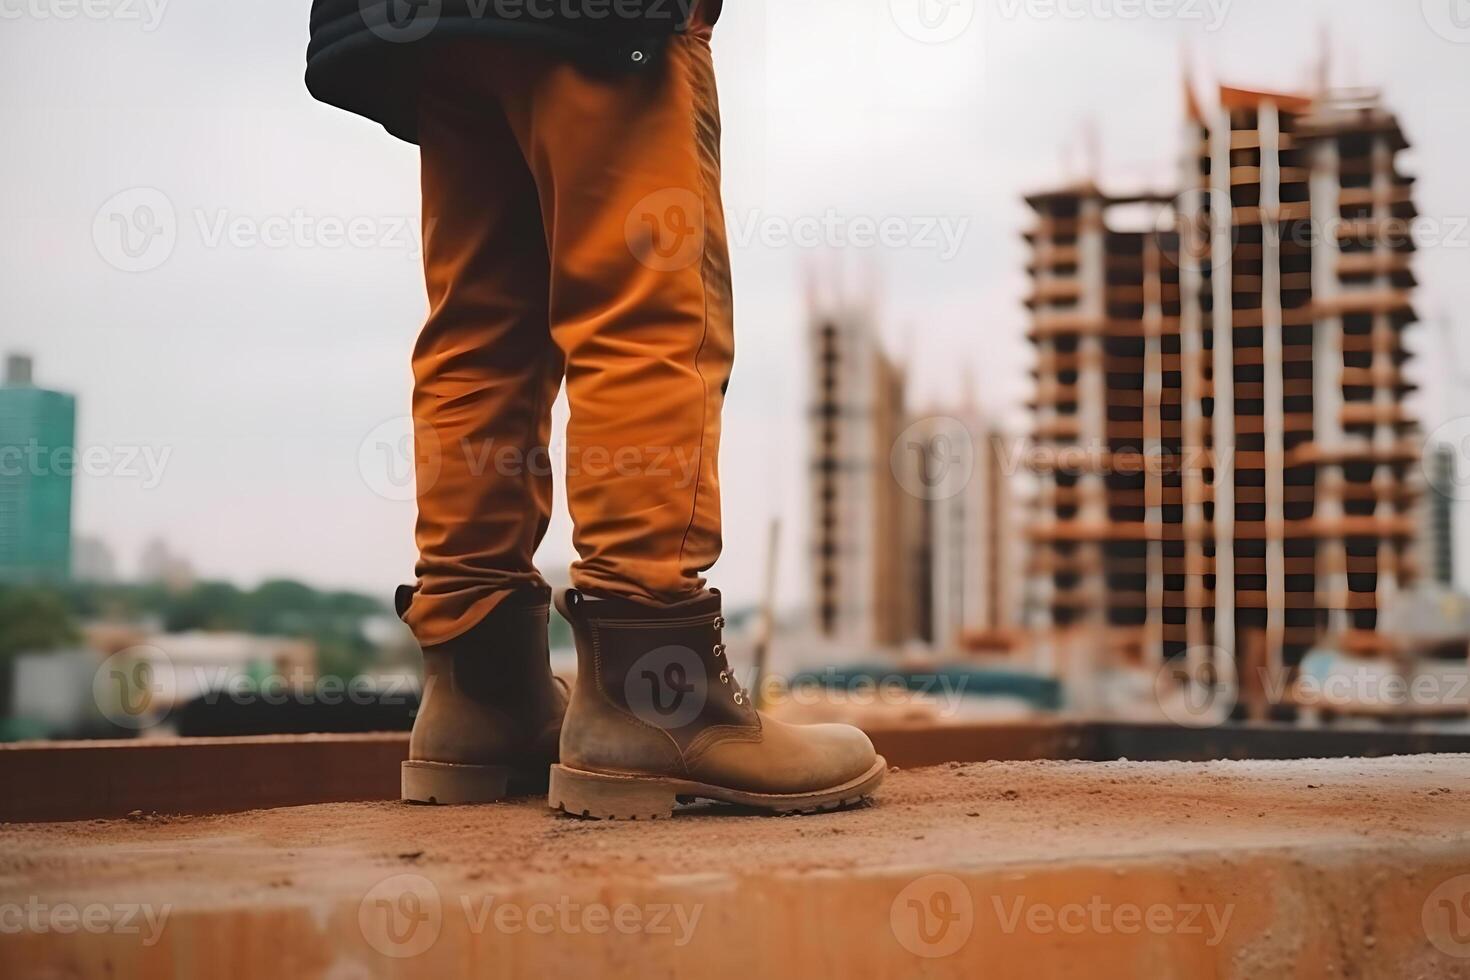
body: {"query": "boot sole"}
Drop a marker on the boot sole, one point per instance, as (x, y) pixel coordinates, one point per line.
(450, 784)
(603, 796)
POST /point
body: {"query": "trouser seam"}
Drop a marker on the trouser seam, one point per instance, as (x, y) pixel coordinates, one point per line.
(696, 92)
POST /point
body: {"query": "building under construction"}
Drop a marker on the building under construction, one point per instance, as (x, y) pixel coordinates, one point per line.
(1224, 456)
(912, 535)
(863, 527)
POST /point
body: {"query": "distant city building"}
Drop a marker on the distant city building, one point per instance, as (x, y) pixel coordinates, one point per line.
(974, 542)
(37, 459)
(92, 560)
(1224, 395)
(1438, 535)
(864, 523)
(162, 566)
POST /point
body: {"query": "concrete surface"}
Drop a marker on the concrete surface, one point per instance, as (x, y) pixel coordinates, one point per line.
(99, 779)
(1340, 868)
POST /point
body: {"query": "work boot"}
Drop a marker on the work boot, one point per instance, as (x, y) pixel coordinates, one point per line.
(491, 713)
(657, 718)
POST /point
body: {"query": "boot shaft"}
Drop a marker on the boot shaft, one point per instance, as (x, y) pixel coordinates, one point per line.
(652, 684)
(489, 694)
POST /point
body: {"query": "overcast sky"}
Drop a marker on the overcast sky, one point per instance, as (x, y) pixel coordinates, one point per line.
(254, 369)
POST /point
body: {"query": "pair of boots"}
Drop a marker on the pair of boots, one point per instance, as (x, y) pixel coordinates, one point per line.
(656, 717)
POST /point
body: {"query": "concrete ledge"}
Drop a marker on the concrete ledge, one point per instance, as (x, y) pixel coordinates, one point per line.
(1245, 870)
(84, 780)
(88, 780)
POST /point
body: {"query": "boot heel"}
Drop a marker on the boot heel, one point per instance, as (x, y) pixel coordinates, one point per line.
(446, 784)
(601, 797)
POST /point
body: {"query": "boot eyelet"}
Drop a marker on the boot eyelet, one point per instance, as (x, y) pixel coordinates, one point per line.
(719, 623)
(739, 697)
(719, 649)
(724, 677)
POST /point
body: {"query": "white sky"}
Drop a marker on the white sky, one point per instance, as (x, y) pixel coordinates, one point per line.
(261, 369)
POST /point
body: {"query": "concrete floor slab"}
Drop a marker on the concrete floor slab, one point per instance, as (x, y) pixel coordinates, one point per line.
(1312, 868)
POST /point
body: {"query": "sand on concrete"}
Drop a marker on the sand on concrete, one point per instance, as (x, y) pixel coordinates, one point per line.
(1322, 843)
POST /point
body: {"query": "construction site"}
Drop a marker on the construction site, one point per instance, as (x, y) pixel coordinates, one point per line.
(1174, 683)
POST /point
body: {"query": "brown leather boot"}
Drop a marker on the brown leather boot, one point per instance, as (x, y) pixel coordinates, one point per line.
(490, 718)
(657, 717)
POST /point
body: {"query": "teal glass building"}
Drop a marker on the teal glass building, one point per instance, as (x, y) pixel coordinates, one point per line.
(37, 462)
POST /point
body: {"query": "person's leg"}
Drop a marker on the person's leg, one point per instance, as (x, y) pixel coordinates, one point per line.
(485, 373)
(485, 369)
(627, 169)
(627, 166)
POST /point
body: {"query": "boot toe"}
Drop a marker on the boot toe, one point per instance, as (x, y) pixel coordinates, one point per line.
(789, 759)
(844, 752)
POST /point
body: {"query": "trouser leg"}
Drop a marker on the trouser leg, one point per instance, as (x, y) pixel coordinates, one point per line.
(627, 171)
(485, 369)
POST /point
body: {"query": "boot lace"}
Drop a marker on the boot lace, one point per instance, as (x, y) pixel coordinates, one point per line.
(727, 674)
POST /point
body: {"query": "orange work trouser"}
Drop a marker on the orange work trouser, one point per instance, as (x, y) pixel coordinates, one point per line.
(572, 228)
